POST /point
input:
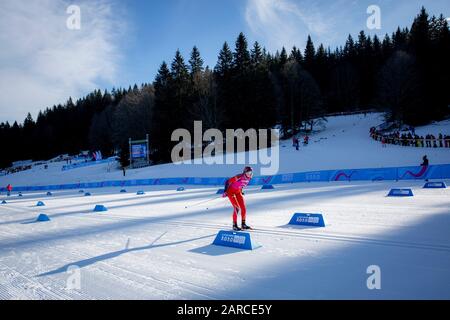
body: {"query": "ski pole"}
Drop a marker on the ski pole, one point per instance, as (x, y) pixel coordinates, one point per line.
(214, 205)
(201, 202)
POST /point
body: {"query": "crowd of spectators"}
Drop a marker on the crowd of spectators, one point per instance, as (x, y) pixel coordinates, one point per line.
(410, 139)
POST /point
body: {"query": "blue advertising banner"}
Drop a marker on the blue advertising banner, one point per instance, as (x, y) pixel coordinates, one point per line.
(371, 174)
(139, 151)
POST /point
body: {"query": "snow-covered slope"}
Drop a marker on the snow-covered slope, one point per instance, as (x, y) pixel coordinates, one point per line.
(345, 144)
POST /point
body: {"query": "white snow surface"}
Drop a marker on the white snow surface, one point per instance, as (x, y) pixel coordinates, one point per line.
(153, 247)
(159, 245)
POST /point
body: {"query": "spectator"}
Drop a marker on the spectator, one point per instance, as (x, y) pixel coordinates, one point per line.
(410, 139)
(433, 138)
(297, 144)
(306, 140)
(425, 161)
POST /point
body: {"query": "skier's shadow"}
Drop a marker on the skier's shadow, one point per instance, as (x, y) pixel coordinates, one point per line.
(213, 250)
(110, 255)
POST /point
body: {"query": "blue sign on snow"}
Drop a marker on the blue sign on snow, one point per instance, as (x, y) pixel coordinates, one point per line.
(307, 219)
(240, 240)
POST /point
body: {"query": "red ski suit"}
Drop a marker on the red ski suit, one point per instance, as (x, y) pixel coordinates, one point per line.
(234, 193)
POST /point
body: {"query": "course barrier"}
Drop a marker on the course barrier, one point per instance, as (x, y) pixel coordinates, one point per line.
(437, 172)
(100, 208)
(435, 185)
(240, 240)
(400, 193)
(42, 218)
(307, 219)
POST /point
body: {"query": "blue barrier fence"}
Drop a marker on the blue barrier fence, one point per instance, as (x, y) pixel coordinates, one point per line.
(374, 174)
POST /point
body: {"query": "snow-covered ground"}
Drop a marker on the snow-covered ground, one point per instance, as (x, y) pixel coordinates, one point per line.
(345, 144)
(153, 247)
(159, 245)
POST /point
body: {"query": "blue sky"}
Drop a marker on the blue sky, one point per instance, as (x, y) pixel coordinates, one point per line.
(123, 42)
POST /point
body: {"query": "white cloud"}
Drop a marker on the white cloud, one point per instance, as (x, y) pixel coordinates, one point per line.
(286, 23)
(42, 62)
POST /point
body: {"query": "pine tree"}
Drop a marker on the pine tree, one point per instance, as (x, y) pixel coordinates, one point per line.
(28, 122)
(256, 54)
(386, 47)
(162, 78)
(376, 46)
(420, 34)
(283, 57)
(310, 54)
(399, 39)
(225, 60)
(296, 55)
(350, 49)
(362, 44)
(195, 62)
(163, 113)
(179, 72)
(321, 55)
(241, 55)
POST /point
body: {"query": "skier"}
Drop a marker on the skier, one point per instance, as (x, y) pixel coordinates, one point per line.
(9, 189)
(233, 190)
